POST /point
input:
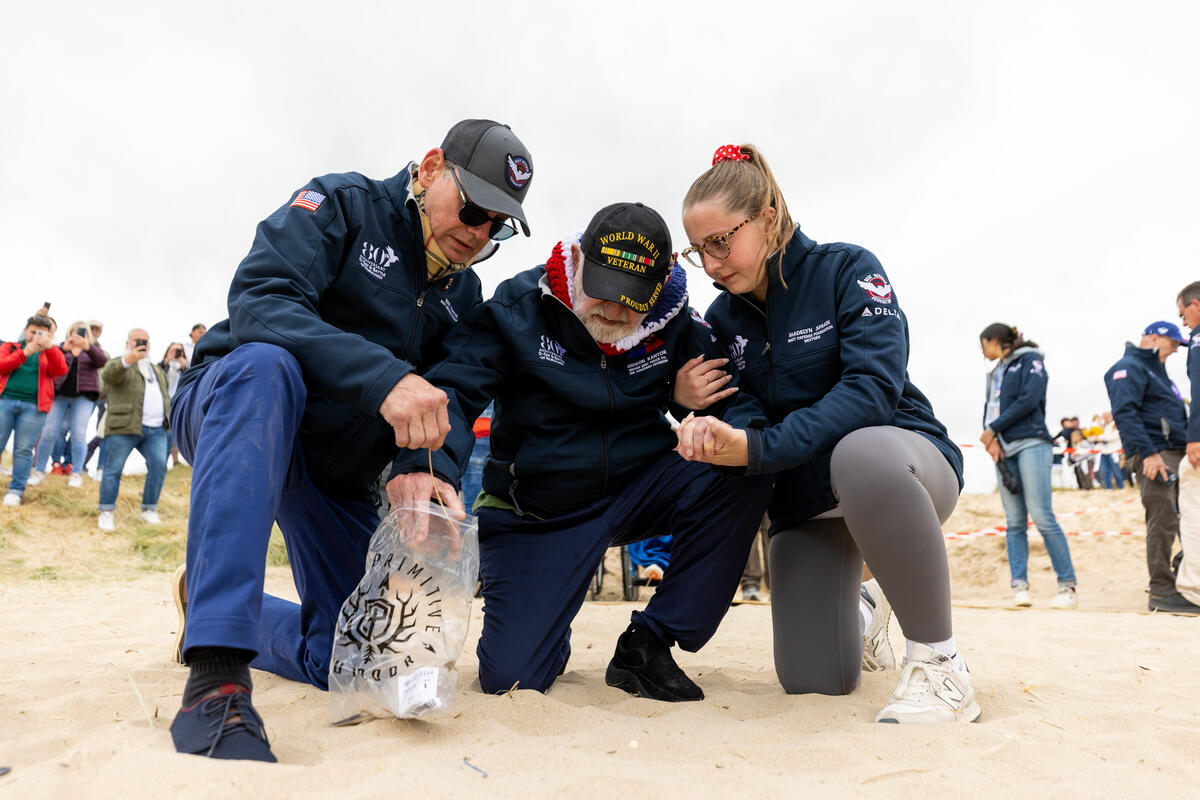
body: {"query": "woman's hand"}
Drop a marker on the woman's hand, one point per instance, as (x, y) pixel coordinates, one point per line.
(994, 450)
(700, 383)
(712, 441)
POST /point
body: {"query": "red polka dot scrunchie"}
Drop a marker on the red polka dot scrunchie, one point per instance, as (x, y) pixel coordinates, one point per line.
(729, 152)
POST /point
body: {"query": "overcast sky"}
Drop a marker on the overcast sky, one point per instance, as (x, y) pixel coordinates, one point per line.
(1026, 162)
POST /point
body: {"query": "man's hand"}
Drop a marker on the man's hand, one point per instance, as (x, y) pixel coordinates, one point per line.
(1153, 465)
(414, 490)
(700, 383)
(712, 441)
(993, 449)
(987, 437)
(1193, 454)
(38, 342)
(136, 354)
(416, 410)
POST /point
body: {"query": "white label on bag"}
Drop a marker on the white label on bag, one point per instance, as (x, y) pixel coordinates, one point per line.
(418, 691)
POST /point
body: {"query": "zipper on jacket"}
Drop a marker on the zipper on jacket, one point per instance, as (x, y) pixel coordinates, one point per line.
(604, 427)
(412, 330)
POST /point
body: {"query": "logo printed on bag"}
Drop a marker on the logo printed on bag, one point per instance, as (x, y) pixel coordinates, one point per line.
(876, 288)
(552, 351)
(376, 260)
(385, 617)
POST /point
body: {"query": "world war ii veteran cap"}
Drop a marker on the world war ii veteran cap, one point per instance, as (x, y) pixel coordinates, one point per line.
(494, 167)
(627, 248)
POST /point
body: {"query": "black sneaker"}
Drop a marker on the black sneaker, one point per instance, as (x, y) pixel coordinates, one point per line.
(222, 726)
(642, 665)
(1174, 603)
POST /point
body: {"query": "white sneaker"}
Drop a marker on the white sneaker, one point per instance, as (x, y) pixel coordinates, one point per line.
(35, 478)
(931, 689)
(96, 474)
(877, 650)
(1065, 598)
(12, 499)
(105, 522)
(75, 481)
(150, 516)
(1021, 598)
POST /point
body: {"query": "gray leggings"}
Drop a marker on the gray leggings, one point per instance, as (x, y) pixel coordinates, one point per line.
(894, 489)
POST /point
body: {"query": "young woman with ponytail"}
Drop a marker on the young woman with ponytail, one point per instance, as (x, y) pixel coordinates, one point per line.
(1017, 439)
(864, 470)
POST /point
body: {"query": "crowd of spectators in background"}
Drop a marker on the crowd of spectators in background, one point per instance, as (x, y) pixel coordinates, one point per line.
(49, 393)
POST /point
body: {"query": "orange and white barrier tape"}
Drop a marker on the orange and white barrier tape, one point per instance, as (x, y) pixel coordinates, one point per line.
(999, 530)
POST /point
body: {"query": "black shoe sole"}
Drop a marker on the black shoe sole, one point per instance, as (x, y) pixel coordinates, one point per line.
(629, 681)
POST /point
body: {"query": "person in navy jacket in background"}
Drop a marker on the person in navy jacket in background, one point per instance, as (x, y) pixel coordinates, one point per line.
(863, 467)
(1016, 436)
(1153, 422)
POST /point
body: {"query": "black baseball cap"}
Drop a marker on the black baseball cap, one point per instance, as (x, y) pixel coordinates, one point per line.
(494, 167)
(628, 251)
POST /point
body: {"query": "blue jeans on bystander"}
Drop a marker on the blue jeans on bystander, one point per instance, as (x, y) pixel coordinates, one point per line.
(153, 444)
(1032, 466)
(67, 414)
(24, 422)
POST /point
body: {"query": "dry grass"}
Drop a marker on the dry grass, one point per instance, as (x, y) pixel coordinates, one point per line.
(53, 534)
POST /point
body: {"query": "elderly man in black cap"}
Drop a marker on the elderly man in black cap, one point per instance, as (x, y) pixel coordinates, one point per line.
(295, 404)
(581, 356)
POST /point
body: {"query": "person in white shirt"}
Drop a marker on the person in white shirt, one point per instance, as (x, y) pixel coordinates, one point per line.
(138, 410)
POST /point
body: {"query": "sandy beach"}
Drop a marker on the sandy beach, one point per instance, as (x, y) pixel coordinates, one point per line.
(1102, 701)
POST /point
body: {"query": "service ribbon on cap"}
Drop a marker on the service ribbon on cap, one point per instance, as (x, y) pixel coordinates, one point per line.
(729, 152)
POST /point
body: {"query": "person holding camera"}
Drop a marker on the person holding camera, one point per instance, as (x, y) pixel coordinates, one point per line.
(1153, 422)
(1017, 439)
(173, 363)
(75, 396)
(27, 371)
(138, 409)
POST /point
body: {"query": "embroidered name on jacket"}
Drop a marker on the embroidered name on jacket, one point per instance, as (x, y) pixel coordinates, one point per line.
(552, 351)
(807, 335)
(376, 260)
(649, 354)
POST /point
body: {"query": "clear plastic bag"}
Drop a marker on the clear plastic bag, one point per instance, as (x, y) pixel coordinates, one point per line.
(401, 631)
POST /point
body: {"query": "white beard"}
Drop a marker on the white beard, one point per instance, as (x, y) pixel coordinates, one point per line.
(604, 334)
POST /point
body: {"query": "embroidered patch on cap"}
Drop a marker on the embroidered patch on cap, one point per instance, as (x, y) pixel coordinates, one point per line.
(519, 172)
(309, 199)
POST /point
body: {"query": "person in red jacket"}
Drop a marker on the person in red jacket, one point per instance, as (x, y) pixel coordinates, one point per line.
(27, 372)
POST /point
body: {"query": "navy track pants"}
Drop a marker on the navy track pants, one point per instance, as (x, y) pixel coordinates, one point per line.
(237, 425)
(536, 574)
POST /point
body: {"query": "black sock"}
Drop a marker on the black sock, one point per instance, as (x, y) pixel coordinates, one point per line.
(212, 668)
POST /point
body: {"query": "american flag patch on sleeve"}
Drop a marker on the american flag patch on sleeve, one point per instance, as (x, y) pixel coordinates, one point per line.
(309, 199)
(1118, 375)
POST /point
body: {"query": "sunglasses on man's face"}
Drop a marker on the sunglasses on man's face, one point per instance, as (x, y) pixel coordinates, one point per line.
(473, 216)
